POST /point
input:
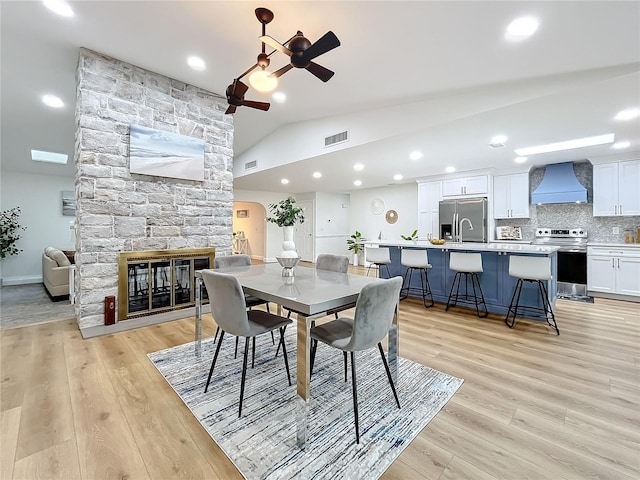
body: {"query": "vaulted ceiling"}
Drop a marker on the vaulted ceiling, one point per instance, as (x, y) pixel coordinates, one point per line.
(438, 77)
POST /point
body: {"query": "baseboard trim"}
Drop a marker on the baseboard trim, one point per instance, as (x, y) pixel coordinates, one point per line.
(124, 325)
(6, 281)
(614, 296)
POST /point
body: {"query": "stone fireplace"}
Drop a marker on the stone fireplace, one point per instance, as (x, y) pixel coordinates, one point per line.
(120, 213)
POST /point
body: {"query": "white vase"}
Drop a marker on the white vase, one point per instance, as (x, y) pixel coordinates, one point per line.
(288, 245)
(355, 259)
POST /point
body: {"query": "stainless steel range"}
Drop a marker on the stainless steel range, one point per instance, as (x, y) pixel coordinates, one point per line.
(572, 258)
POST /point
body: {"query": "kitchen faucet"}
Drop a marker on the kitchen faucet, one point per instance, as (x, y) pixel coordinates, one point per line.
(460, 228)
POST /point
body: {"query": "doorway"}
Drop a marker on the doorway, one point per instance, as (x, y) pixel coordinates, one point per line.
(304, 232)
(249, 229)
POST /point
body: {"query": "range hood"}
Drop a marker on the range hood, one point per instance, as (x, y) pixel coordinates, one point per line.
(559, 185)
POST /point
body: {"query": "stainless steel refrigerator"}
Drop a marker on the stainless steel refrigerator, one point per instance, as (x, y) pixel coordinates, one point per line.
(464, 220)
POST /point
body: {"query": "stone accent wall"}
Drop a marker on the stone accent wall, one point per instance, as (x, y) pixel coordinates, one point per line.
(119, 211)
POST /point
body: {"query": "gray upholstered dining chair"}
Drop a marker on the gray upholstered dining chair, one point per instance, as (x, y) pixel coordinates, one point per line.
(240, 261)
(327, 262)
(375, 308)
(229, 310)
(332, 263)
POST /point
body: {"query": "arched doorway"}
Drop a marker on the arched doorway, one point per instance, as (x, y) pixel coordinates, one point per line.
(249, 229)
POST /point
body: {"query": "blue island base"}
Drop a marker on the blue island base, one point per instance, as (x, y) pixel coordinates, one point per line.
(497, 285)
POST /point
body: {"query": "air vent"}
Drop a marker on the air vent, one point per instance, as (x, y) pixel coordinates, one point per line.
(496, 145)
(251, 164)
(337, 138)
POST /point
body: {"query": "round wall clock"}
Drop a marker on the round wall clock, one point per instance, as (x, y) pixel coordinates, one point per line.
(391, 216)
(377, 206)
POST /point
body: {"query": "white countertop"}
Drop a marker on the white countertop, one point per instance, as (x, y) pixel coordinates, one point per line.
(617, 245)
(478, 247)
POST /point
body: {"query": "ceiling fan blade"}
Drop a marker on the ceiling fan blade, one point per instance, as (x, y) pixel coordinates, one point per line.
(259, 105)
(231, 110)
(327, 42)
(239, 88)
(282, 71)
(319, 71)
(272, 42)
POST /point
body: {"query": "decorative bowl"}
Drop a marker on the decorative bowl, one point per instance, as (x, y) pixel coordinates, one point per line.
(288, 262)
(436, 241)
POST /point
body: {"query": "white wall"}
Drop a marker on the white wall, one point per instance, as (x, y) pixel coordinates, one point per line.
(401, 198)
(333, 214)
(40, 198)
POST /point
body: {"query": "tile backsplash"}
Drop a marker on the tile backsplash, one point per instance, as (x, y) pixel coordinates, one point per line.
(568, 215)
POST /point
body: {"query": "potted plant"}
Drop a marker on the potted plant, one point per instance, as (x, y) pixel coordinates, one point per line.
(353, 244)
(413, 237)
(286, 214)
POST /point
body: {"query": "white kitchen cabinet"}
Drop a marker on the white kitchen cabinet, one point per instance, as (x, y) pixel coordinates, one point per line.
(429, 196)
(613, 270)
(511, 196)
(616, 189)
(465, 186)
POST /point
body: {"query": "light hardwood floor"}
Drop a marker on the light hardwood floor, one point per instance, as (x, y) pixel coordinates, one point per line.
(533, 405)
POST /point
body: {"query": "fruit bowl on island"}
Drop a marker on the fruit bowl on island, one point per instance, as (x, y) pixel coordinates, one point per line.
(436, 241)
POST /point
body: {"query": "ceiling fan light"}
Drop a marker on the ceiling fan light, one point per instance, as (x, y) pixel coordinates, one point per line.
(262, 82)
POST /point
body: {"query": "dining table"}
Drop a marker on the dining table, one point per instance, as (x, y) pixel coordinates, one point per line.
(310, 293)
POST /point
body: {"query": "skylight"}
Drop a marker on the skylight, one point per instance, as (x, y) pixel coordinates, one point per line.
(50, 157)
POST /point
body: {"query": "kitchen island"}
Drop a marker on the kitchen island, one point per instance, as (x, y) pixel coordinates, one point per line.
(497, 284)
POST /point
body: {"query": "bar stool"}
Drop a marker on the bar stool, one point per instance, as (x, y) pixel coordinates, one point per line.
(416, 260)
(534, 270)
(466, 264)
(379, 257)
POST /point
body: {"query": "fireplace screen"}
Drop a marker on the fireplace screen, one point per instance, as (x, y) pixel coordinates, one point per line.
(159, 281)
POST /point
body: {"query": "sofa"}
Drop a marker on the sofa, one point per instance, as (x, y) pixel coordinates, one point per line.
(55, 273)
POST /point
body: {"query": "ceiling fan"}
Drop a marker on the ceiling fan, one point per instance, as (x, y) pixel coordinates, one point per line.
(302, 52)
(235, 97)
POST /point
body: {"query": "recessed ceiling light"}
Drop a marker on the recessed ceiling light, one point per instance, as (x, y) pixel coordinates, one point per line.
(284, 181)
(357, 183)
(621, 145)
(196, 63)
(415, 155)
(568, 145)
(52, 101)
(317, 175)
(279, 97)
(498, 141)
(520, 159)
(358, 167)
(42, 156)
(521, 28)
(60, 7)
(397, 176)
(450, 169)
(628, 114)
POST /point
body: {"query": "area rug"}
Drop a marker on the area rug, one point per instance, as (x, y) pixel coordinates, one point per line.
(262, 443)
